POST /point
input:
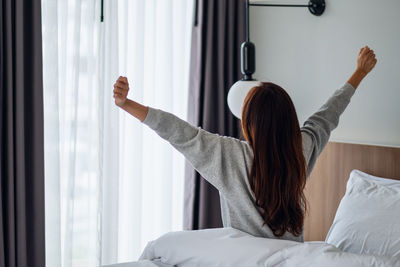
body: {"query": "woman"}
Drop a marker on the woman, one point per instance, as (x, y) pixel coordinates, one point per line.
(260, 180)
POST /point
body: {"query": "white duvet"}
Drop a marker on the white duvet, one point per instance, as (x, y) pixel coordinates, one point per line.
(231, 247)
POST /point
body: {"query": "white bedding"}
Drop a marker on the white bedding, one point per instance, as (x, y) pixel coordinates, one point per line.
(141, 263)
(231, 247)
(376, 228)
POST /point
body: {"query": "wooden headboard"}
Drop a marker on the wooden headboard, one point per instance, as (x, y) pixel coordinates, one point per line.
(327, 183)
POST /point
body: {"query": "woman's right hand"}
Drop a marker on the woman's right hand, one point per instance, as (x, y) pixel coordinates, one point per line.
(366, 60)
(121, 89)
(365, 63)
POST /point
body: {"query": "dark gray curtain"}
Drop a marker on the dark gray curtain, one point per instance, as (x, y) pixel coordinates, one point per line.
(22, 240)
(215, 66)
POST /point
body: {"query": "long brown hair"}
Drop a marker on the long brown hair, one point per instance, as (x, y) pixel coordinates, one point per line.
(278, 173)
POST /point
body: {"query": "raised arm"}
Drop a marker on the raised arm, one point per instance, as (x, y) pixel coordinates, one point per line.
(217, 158)
(121, 89)
(317, 128)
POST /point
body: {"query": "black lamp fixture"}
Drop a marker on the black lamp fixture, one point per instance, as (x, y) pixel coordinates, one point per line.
(239, 90)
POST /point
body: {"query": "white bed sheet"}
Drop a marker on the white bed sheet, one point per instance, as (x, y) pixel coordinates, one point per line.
(230, 247)
(140, 263)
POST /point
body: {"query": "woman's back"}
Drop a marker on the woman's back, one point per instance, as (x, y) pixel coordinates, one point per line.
(226, 162)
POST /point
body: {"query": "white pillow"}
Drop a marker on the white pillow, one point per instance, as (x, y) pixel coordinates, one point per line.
(368, 218)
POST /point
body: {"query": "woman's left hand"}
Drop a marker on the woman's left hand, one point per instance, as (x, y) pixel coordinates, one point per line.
(121, 89)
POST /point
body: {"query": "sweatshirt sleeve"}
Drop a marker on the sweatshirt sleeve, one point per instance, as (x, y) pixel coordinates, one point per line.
(215, 157)
(317, 128)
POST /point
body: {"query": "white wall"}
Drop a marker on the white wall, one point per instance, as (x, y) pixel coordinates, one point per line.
(312, 56)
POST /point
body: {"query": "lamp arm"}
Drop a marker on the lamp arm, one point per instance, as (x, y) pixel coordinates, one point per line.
(247, 21)
(316, 7)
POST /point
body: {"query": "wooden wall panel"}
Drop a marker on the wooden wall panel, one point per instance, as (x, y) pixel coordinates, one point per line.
(327, 183)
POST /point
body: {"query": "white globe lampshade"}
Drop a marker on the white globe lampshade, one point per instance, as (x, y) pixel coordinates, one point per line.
(237, 94)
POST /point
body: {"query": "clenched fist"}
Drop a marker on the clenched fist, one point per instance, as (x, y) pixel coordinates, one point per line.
(366, 60)
(121, 89)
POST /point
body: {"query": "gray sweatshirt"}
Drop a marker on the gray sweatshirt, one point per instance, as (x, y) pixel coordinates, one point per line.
(226, 162)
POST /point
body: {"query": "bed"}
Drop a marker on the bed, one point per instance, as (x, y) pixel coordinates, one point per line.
(327, 183)
(350, 184)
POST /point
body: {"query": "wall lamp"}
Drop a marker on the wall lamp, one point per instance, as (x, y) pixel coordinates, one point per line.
(239, 90)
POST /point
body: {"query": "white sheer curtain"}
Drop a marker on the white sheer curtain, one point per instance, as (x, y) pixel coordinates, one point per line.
(111, 183)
